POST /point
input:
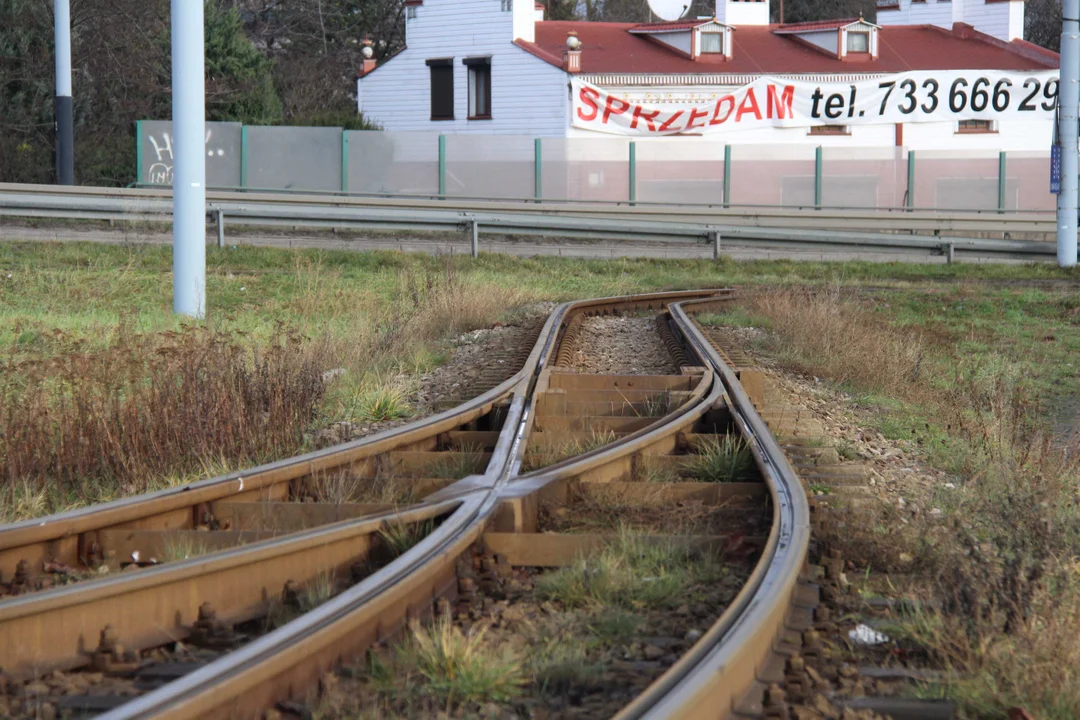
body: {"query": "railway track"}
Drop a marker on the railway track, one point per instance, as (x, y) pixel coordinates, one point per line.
(238, 595)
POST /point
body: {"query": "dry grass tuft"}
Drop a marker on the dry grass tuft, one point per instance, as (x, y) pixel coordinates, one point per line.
(151, 407)
(825, 334)
(1001, 564)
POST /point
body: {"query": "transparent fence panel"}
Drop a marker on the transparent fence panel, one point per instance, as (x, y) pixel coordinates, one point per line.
(399, 163)
(586, 169)
(1027, 182)
(772, 175)
(294, 158)
(680, 170)
(863, 177)
(956, 179)
(155, 153)
(490, 166)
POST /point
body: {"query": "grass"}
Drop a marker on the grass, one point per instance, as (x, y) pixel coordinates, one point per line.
(556, 447)
(724, 460)
(399, 537)
(462, 462)
(630, 573)
(1002, 566)
(104, 394)
(182, 547)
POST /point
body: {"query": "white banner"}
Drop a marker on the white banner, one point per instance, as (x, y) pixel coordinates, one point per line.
(912, 97)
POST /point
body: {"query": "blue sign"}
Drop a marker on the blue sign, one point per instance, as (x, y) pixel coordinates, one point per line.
(1055, 169)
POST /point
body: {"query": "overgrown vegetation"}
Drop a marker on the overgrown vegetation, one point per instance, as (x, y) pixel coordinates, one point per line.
(633, 572)
(104, 394)
(1002, 565)
(151, 408)
(724, 460)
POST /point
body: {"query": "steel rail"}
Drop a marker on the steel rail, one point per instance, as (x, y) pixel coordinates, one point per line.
(243, 682)
(722, 668)
(44, 620)
(310, 209)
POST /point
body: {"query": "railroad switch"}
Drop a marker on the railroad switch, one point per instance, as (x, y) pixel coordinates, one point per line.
(110, 656)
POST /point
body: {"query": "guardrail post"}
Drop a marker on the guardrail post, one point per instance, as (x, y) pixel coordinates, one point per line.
(475, 238)
(714, 238)
(817, 177)
(727, 176)
(220, 228)
(442, 166)
(538, 169)
(1001, 181)
(344, 160)
(950, 253)
(243, 156)
(910, 179)
(633, 172)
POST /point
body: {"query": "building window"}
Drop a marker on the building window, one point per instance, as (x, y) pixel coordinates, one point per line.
(410, 12)
(858, 42)
(442, 88)
(479, 88)
(712, 43)
(830, 130)
(507, 5)
(975, 126)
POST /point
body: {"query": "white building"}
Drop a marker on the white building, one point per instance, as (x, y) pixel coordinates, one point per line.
(952, 81)
(495, 67)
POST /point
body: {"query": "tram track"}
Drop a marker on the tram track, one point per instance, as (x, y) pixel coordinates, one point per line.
(494, 514)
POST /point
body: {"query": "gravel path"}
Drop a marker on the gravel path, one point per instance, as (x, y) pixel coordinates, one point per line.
(622, 346)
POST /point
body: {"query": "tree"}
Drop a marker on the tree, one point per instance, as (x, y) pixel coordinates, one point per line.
(26, 93)
(1042, 23)
(239, 78)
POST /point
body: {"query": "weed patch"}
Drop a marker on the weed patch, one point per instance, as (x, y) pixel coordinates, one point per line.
(723, 460)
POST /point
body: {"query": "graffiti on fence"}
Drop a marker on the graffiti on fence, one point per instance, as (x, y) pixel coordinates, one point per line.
(160, 171)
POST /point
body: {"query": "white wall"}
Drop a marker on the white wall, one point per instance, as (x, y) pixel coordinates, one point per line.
(524, 20)
(931, 12)
(733, 12)
(1004, 20)
(529, 96)
(677, 40)
(825, 39)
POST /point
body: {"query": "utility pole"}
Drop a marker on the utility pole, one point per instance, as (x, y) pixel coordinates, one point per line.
(65, 115)
(1068, 132)
(189, 159)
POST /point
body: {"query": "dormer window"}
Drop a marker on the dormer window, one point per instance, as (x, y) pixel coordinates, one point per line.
(858, 42)
(842, 39)
(704, 37)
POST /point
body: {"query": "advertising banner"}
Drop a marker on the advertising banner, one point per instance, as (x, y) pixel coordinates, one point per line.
(911, 97)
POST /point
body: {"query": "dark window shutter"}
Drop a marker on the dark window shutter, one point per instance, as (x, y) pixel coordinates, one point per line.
(442, 90)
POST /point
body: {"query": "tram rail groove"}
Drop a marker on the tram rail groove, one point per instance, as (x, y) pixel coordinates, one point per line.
(728, 668)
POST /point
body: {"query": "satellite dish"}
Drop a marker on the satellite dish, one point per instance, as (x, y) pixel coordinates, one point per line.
(669, 9)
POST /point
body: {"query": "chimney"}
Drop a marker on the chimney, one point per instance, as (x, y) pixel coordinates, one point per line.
(572, 57)
(368, 53)
(964, 31)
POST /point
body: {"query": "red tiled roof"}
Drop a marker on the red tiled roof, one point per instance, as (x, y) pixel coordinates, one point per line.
(609, 48)
(670, 25)
(815, 25)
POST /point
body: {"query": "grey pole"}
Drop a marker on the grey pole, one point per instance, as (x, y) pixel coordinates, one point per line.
(1068, 104)
(189, 166)
(65, 116)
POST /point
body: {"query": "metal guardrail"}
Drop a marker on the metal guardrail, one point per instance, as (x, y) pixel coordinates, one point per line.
(825, 230)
